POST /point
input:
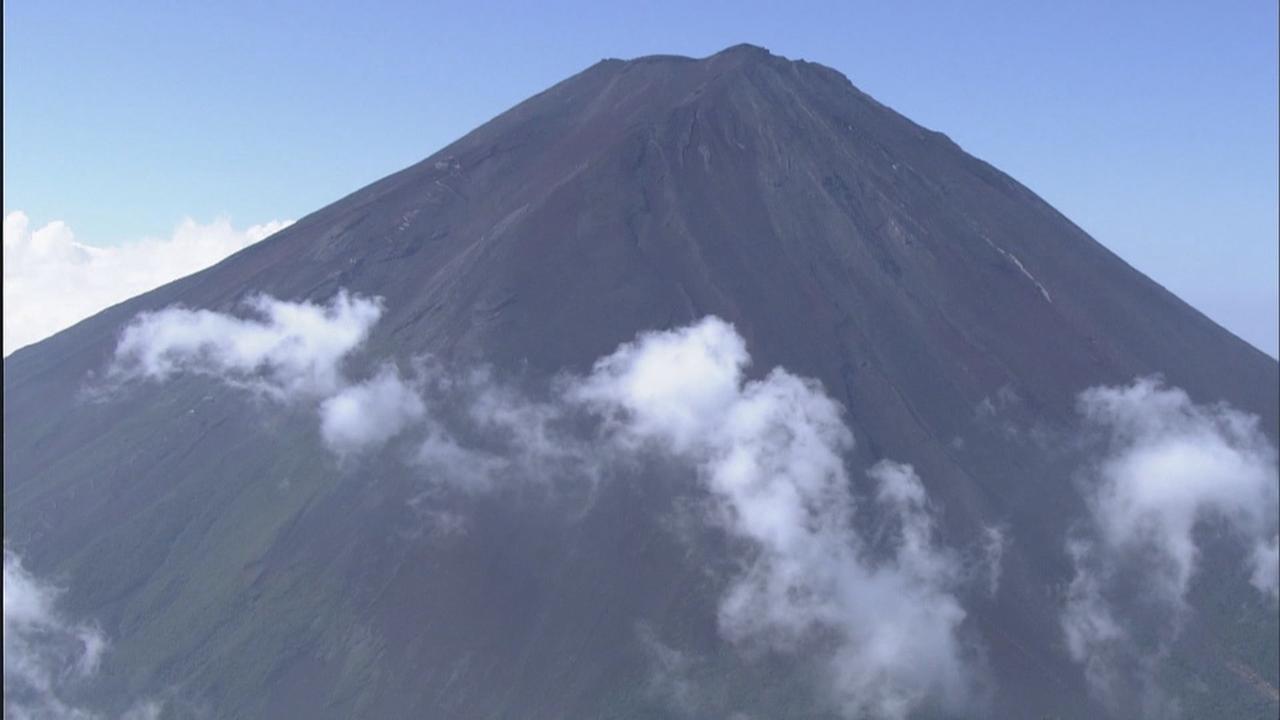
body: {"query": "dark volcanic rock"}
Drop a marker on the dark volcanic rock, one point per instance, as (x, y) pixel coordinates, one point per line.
(248, 571)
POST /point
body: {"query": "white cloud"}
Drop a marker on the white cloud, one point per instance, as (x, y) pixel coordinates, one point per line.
(51, 281)
(286, 352)
(367, 415)
(44, 652)
(770, 452)
(47, 656)
(674, 384)
(1170, 466)
(289, 351)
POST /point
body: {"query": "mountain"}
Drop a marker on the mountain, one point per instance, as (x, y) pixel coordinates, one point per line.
(239, 569)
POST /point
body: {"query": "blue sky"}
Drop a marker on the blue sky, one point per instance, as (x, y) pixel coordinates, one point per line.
(1152, 125)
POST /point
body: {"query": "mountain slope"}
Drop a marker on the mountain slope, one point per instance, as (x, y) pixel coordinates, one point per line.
(228, 557)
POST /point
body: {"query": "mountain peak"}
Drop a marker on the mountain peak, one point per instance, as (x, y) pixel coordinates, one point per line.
(740, 53)
(744, 50)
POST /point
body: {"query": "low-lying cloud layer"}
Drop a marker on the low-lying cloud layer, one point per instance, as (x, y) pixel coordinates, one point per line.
(877, 607)
(770, 453)
(51, 281)
(1170, 467)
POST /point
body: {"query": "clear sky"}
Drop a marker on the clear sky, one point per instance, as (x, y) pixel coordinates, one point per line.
(1152, 125)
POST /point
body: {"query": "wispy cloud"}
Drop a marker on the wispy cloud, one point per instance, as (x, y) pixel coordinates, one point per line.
(52, 281)
(47, 656)
(1169, 466)
(995, 540)
(41, 647)
(671, 675)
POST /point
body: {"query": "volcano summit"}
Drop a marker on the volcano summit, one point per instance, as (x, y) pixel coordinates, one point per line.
(684, 388)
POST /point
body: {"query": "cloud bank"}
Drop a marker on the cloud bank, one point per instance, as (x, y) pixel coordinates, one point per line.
(51, 281)
(879, 605)
(1170, 468)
